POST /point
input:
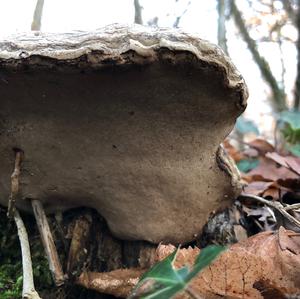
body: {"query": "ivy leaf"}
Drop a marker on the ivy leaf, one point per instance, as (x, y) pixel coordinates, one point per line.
(163, 281)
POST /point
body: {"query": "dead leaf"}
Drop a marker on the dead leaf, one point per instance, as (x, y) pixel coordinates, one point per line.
(269, 172)
(261, 145)
(289, 162)
(257, 187)
(266, 265)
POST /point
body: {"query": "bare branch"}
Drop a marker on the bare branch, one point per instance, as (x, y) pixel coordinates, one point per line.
(178, 19)
(29, 291)
(277, 92)
(138, 13)
(274, 204)
(222, 40)
(47, 240)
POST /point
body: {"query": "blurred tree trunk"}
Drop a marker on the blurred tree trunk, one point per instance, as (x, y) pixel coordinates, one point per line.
(278, 94)
(37, 16)
(297, 87)
(288, 7)
(138, 13)
(222, 40)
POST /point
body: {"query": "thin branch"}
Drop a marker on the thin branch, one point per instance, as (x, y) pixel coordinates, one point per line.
(14, 185)
(292, 207)
(264, 67)
(29, 291)
(138, 13)
(178, 19)
(222, 40)
(37, 16)
(48, 243)
(274, 204)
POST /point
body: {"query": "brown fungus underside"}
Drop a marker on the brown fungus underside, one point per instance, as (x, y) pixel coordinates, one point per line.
(127, 120)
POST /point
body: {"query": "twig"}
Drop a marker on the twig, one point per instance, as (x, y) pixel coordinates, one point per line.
(29, 291)
(274, 204)
(14, 185)
(47, 240)
(292, 207)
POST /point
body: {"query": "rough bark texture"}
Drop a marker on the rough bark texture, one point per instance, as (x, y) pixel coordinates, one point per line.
(125, 120)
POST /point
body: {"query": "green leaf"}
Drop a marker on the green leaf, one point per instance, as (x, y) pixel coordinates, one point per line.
(163, 281)
(245, 126)
(292, 118)
(163, 271)
(247, 165)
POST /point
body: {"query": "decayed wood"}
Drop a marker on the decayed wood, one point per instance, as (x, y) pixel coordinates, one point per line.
(29, 291)
(79, 244)
(14, 185)
(47, 240)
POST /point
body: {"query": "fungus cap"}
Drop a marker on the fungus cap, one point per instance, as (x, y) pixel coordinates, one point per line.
(127, 120)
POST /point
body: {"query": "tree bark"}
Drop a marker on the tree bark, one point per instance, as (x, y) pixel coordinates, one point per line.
(278, 95)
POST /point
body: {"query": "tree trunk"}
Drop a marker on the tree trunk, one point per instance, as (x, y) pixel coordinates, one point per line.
(222, 40)
(37, 16)
(138, 13)
(297, 87)
(278, 95)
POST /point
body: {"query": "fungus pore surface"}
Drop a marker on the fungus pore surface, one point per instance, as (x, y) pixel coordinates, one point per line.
(127, 120)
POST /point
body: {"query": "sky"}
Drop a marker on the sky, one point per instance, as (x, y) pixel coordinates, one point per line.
(200, 17)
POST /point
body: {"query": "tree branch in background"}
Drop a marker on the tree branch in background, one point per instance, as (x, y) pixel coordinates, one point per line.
(29, 291)
(297, 87)
(138, 13)
(37, 16)
(222, 40)
(278, 94)
(178, 19)
(288, 7)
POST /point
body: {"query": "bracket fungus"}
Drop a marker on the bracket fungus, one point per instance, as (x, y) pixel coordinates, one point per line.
(127, 120)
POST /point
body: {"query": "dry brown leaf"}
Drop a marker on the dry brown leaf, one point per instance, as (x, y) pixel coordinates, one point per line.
(269, 172)
(257, 187)
(289, 162)
(266, 265)
(261, 145)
